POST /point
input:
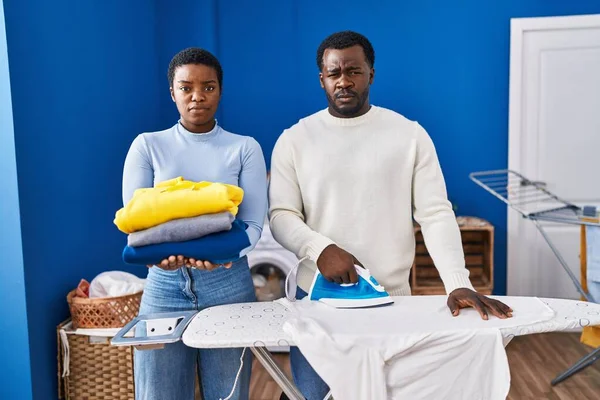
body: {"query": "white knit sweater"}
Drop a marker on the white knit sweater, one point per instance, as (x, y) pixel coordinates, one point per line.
(357, 182)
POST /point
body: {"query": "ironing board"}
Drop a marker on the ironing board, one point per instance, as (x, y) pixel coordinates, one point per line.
(260, 325)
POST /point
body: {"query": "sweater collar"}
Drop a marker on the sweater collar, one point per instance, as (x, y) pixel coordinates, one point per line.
(199, 136)
(369, 115)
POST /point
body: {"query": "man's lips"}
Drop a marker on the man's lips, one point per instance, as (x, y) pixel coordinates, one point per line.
(345, 95)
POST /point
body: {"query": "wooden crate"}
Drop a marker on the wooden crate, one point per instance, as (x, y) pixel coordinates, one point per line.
(478, 244)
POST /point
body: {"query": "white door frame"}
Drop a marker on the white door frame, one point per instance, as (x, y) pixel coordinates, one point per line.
(518, 278)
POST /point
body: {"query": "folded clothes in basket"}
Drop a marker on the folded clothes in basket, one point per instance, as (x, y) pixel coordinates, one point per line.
(218, 248)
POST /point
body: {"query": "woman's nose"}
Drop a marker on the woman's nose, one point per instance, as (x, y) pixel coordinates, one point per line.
(198, 96)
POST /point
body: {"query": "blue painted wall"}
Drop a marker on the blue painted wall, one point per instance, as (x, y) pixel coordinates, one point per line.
(15, 372)
(182, 24)
(85, 81)
(444, 64)
(87, 77)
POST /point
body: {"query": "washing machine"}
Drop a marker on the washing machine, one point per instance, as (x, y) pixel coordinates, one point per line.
(269, 264)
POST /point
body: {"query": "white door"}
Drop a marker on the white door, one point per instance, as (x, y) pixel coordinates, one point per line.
(554, 137)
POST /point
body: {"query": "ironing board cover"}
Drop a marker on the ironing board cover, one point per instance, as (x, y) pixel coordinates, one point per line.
(261, 324)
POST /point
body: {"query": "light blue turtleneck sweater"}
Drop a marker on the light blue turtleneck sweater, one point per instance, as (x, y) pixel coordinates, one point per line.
(215, 156)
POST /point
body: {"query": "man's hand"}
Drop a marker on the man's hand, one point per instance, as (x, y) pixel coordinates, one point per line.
(464, 298)
(337, 265)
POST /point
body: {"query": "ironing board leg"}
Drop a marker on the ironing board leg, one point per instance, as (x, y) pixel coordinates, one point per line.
(563, 263)
(264, 357)
(578, 366)
(593, 356)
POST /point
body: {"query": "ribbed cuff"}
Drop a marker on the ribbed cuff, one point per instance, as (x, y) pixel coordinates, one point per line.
(402, 291)
(457, 281)
(315, 247)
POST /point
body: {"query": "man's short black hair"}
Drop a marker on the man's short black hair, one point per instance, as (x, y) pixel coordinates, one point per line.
(343, 40)
(194, 55)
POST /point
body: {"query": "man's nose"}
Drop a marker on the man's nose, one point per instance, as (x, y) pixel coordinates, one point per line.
(344, 82)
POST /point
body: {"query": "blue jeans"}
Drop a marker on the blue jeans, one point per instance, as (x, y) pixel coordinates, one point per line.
(169, 373)
(305, 377)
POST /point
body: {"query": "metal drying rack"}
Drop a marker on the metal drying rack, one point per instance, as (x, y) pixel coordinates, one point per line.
(533, 201)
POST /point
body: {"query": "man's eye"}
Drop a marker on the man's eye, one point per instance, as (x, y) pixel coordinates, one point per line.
(184, 89)
(210, 88)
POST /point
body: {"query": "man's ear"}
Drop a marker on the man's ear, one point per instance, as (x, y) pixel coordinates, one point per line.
(371, 76)
(321, 80)
(172, 93)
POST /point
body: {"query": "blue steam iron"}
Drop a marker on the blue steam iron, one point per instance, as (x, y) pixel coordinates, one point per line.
(367, 292)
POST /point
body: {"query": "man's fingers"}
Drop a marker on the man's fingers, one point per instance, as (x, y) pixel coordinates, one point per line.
(345, 278)
(338, 279)
(499, 309)
(228, 265)
(453, 306)
(180, 260)
(353, 275)
(507, 309)
(493, 307)
(357, 262)
(479, 306)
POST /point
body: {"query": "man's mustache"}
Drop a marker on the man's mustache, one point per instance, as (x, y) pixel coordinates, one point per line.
(346, 93)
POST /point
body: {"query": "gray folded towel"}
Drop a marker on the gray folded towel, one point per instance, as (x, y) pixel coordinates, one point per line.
(180, 230)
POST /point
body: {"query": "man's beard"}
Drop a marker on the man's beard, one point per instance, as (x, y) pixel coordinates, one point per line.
(346, 111)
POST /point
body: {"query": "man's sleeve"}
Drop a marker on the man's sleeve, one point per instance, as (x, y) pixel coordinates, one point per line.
(433, 211)
(286, 216)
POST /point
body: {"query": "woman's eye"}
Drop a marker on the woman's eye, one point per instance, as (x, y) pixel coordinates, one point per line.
(184, 88)
(210, 88)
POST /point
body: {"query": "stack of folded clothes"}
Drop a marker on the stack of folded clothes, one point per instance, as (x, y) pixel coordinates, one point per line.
(180, 217)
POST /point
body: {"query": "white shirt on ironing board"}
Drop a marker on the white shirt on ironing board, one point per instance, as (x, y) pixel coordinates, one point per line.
(414, 349)
(356, 182)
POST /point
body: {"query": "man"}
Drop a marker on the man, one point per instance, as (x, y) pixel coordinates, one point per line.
(345, 185)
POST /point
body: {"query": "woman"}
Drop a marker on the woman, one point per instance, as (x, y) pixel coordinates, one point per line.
(198, 149)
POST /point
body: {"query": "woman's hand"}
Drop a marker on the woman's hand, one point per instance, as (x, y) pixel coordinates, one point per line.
(206, 265)
(172, 263)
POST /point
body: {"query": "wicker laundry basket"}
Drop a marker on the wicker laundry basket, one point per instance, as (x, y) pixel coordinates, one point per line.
(92, 368)
(109, 312)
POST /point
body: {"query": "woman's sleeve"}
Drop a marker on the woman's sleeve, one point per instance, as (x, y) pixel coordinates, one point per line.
(253, 180)
(137, 171)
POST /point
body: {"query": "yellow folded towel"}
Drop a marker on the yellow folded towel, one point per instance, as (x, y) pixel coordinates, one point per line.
(176, 198)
